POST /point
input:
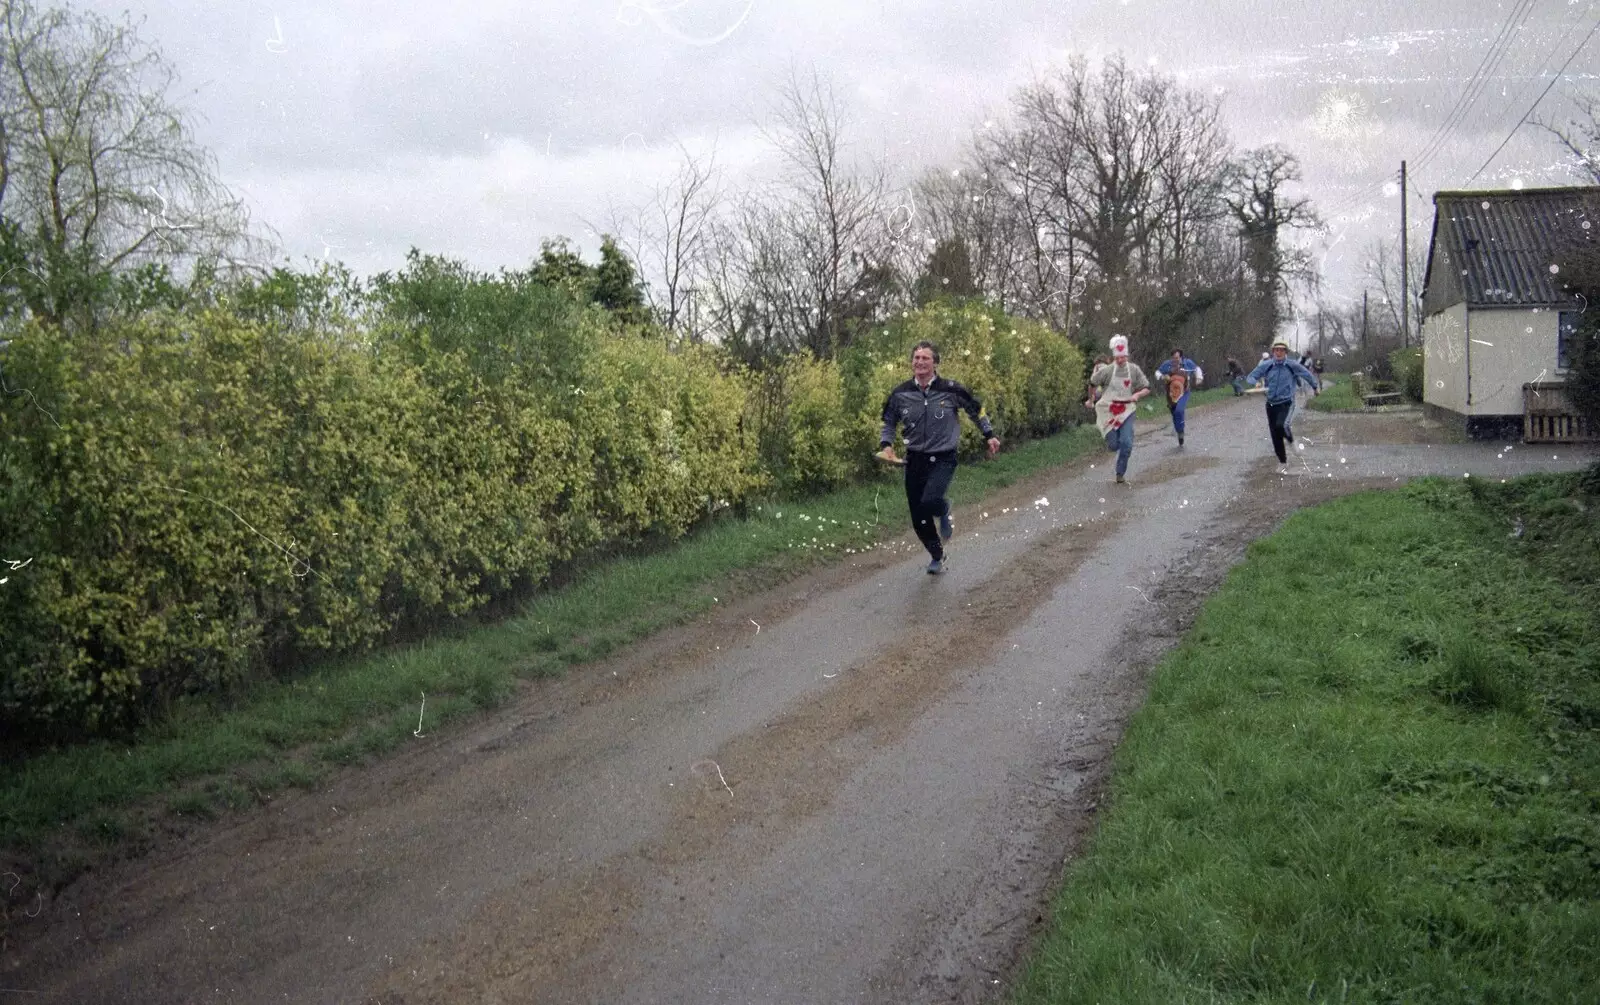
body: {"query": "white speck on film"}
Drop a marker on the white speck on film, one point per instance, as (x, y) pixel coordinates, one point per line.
(1344, 119)
(698, 769)
(275, 43)
(296, 562)
(660, 13)
(6, 389)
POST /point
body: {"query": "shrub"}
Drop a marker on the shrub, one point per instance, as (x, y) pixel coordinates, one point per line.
(1406, 364)
(200, 494)
(807, 439)
(1026, 374)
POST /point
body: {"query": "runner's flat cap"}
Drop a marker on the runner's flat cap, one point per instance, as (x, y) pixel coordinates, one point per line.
(1281, 345)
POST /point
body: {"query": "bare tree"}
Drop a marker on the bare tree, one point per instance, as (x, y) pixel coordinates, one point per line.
(1098, 190)
(1084, 160)
(837, 212)
(995, 214)
(1581, 135)
(1336, 333)
(1264, 211)
(99, 173)
(1193, 173)
(802, 261)
(1044, 262)
(1116, 177)
(1381, 267)
(670, 239)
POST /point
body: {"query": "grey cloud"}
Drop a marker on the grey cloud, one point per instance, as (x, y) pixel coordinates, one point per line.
(367, 105)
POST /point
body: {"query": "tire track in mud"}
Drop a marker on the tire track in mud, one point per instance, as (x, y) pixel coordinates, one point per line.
(563, 931)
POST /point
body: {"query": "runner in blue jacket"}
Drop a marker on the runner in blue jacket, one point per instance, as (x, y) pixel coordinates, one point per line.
(1180, 374)
(1281, 374)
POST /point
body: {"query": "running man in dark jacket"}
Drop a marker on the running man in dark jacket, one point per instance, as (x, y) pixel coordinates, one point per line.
(928, 408)
(1281, 374)
(1235, 377)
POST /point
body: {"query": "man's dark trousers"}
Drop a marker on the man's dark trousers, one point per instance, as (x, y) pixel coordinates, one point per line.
(1277, 415)
(927, 480)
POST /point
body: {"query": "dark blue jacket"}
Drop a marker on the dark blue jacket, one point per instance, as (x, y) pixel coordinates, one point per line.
(931, 418)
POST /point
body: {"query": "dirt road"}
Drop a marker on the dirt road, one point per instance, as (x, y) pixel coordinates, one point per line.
(860, 787)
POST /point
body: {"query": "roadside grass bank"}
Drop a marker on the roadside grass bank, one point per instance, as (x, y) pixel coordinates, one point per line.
(1370, 773)
(1204, 396)
(63, 809)
(1337, 396)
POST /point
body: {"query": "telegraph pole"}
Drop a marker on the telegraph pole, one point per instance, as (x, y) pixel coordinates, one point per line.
(1405, 266)
(1363, 320)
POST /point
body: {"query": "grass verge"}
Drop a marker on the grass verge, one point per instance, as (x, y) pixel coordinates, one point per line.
(1210, 396)
(62, 808)
(1337, 397)
(1370, 773)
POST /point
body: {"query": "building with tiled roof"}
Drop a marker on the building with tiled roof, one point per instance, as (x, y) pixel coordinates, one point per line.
(1501, 299)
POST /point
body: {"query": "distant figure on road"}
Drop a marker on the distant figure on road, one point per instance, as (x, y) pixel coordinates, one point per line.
(1121, 383)
(1180, 374)
(1236, 377)
(1281, 375)
(928, 406)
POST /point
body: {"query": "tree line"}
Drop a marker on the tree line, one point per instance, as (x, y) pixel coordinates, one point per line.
(1105, 200)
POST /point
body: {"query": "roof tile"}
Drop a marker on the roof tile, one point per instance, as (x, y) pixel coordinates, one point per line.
(1511, 245)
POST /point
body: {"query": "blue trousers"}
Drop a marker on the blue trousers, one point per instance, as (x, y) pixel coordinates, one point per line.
(1120, 440)
(1177, 409)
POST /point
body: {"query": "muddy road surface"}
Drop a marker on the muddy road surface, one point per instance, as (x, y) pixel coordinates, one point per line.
(860, 787)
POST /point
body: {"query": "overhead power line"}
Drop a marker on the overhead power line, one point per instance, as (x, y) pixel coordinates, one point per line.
(1478, 82)
(1548, 87)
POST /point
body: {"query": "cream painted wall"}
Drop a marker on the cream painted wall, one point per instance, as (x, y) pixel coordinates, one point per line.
(1509, 348)
(1444, 358)
(1506, 348)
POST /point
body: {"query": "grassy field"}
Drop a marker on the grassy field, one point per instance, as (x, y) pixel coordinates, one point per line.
(1371, 772)
(60, 806)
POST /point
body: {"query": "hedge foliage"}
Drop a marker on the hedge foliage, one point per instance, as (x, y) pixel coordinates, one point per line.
(189, 496)
(1028, 376)
(1407, 366)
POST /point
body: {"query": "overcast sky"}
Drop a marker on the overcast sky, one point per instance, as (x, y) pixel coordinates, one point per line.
(356, 130)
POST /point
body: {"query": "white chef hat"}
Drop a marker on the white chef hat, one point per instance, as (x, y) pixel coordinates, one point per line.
(1119, 345)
